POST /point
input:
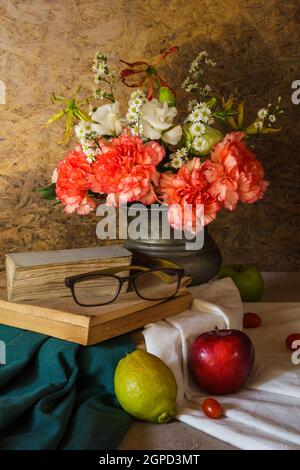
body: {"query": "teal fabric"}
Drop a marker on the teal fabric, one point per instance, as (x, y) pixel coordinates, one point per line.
(59, 395)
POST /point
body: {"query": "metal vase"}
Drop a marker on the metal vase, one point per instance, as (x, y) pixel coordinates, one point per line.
(201, 265)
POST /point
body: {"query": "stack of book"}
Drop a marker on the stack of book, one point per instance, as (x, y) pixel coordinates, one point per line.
(41, 275)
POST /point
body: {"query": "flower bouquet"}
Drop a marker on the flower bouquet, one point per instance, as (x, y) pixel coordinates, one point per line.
(145, 154)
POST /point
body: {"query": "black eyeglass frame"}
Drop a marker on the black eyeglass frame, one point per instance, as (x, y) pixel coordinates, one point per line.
(72, 280)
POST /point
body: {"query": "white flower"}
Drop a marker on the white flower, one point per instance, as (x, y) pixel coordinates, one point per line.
(54, 176)
(108, 119)
(173, 135)
(183, 152)
(90, 150)
(262, 113)
(137, 129)
(207, 89)
(135, 103)
(210, 63)
(195, 115)
(258, 124)
(131, 117)
(205, 114)
(191, 104)
(200, 113)
(157, 120)
(272, 118)
(138, 94)
(200, 144)
(178, 158)
(198, 128)
(100, 70)
(176, 162)
(90, 155)
(84, 131)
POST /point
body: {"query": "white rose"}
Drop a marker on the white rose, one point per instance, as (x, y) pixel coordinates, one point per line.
(157, 120)
(108, 119)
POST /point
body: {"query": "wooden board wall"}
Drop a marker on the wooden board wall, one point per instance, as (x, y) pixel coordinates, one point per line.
(47, 45)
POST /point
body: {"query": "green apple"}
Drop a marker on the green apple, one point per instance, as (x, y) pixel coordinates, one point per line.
(248, 280)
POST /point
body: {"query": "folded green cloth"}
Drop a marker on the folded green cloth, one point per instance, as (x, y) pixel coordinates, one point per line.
(59, 395)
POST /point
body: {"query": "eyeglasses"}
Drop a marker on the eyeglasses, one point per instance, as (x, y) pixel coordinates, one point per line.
(103, 287)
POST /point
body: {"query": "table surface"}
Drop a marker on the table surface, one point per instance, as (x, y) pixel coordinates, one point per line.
(279, 286)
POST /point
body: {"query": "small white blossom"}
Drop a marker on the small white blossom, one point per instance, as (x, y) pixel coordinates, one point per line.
(210, 62)
(196, 78)
(185, 83)
(136, 129)
(89, 150)
(135, 103)
(258, 124)
(207, 89)
(178, 158)
(99, 67)
(272, 118)
(130, 117)
(191, 104)
(262, 113)
(201, 113)
(195, 115)
(183, 152)
(205, 115)
(90, 155)
(198, 128)
(85, 132)
(54, 176)
(200, 144)
(138, 94)
(176, 162)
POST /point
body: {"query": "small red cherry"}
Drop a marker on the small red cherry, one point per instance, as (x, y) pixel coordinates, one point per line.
(290, 339)
(212, 408)
(251, 320)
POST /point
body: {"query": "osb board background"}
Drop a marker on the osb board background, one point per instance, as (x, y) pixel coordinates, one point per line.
(47, 45)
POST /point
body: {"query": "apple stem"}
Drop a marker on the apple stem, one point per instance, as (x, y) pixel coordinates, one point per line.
(216, 329)
(240, 267)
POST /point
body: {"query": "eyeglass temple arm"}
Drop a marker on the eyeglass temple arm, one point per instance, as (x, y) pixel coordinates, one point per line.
(162, 276)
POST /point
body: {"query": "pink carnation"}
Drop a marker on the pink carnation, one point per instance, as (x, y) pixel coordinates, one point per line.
(234, 172)
(188, 186)
(72, 183)
(126, 170)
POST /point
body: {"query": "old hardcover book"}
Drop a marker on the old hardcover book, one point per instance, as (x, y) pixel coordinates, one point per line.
(63, 318)
(41, 274)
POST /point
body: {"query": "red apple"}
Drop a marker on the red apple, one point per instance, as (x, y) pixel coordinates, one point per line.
(221, 360)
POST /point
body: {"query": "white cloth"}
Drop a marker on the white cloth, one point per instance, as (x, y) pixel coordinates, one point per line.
(265, 414)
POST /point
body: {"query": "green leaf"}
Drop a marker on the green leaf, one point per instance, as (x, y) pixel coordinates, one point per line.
(240, 114)
(48, 192)
(270, 130)
(55, 98)
(252, 130)
(227, 104)
(56, 116)
(69, 125)
(82, 116)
